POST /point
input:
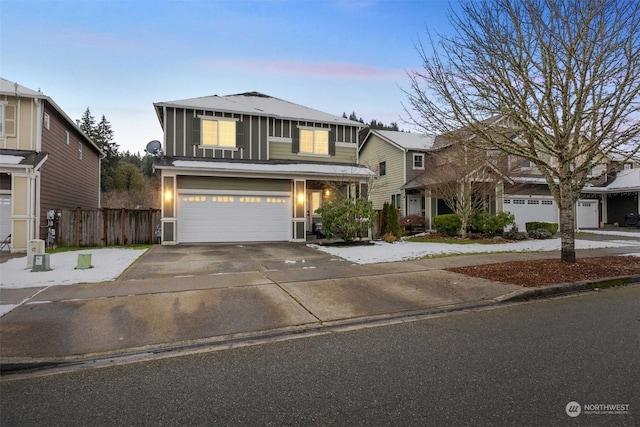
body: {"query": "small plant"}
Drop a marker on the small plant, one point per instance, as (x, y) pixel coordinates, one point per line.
(486, 223)
(514, 234)
(551, 227)
(448, 224)
(389, 237)
(540, 233)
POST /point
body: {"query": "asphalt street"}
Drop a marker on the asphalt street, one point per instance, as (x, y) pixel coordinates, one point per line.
(520, 364)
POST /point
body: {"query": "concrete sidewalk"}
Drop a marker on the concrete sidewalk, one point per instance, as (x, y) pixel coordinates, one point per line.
(233, 297)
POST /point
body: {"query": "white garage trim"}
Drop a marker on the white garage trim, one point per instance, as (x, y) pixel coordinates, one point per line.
(228, 216)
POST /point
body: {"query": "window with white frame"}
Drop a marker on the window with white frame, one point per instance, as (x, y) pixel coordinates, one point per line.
(8, 120)
(418, 161)
(219, 133)
(66, 137)
(396, 200)
(314, 141)
(80, 150)
(45, 121)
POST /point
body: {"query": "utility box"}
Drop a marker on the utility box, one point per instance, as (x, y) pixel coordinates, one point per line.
(84, 262)
(35, 246)
(41, 262)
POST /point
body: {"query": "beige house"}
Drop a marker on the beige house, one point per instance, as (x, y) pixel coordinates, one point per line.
(46, 163)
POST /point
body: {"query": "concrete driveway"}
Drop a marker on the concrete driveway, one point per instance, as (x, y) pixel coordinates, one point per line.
(207, 259)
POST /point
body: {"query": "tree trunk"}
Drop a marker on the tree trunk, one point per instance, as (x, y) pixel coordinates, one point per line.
(567, 229)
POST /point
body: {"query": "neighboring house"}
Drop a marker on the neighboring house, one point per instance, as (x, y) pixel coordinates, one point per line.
(250, 167)
(46, 163)
(411, 166)
(398, 158)
(618, 192)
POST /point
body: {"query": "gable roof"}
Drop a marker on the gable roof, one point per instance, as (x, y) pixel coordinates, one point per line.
(403, 140)
(9, 88)
(257, 104)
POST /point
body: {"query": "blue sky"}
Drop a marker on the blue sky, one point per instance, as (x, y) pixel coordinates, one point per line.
(119, 57)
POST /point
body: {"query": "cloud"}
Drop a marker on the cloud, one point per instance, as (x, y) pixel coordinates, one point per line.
(332, 70)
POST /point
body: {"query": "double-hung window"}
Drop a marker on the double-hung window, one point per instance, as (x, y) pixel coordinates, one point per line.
(418, 161)
(382, 168)
(219, 133)
(7, 120)
(314, 141)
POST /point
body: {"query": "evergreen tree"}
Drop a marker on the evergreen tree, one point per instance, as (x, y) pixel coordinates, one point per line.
(88, 124)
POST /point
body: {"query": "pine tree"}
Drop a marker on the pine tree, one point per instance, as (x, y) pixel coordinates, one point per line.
(88, 124)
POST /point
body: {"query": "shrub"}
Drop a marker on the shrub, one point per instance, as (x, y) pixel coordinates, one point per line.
(413, 220)
(389, 238)
(448, 224)
(514, 234)
(551, 227)
(484, 222)
(345, 218)
(540, 233)
(390, 222)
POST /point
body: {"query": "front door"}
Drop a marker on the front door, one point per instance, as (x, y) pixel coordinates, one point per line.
(414, 205)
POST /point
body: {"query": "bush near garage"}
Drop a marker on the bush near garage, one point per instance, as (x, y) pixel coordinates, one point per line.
(540, 233)
(345, 218)
(486, 223)
(448, 224)
(514, 234)
(551, 227)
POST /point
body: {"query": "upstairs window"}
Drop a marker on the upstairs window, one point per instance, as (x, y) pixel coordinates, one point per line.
(382, 168)
(418, 161)
(66, 136)
(7, 120)
(219, 133)
(45, 121)
(80, 150)
(314, 141)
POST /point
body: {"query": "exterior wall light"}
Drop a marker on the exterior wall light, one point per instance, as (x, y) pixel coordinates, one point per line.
(168, 195)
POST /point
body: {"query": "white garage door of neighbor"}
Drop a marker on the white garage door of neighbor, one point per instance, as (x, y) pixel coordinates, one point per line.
(531, 210)
(587, 214)
(5, 217)
(233, 218)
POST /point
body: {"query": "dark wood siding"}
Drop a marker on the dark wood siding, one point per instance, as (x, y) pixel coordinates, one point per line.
(66, 180)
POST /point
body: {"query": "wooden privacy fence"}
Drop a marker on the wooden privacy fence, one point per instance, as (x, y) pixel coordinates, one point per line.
(106, 227)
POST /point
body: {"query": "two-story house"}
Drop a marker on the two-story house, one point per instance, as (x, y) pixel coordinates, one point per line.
(46, 163)
(398, 158)
(251, 167)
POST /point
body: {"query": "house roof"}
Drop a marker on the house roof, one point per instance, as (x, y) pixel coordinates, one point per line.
(257, 104)
(21, 159)
(10, 88)
(625, 181)
(265, 168)
(403, 140)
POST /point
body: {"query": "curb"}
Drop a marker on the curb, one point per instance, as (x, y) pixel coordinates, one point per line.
(14, 367)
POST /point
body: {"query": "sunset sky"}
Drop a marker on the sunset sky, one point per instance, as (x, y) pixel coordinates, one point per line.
(118, 57)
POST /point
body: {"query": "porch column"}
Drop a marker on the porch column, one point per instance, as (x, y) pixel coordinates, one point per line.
(299, 217)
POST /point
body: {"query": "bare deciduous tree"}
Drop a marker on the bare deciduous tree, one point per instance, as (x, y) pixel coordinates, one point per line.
(565, 75)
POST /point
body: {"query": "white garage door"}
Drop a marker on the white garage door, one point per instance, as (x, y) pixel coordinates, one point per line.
(587, 214)
(531, 209)
(233, 218)
(5, 217)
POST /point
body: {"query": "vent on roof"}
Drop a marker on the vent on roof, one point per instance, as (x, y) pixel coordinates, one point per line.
(257, 94)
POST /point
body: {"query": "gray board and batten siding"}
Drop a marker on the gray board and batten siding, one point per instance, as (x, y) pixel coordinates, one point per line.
(258, 138)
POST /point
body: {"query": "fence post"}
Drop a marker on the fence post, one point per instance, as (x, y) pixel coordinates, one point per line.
(78, 225)
(122, 227)
(105, 228)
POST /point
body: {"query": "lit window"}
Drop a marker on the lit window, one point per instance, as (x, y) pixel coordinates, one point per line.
(314, 141)
(418, 161)
(219, 133)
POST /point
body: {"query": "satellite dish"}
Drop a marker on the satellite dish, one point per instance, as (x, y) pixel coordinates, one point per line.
(154, 148)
